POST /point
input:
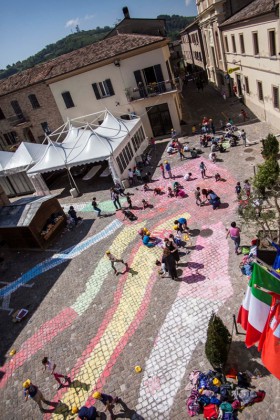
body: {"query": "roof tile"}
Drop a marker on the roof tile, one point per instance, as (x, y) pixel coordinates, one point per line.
(93, 53)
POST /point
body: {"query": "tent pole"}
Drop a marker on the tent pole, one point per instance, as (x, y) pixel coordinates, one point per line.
(72, 179)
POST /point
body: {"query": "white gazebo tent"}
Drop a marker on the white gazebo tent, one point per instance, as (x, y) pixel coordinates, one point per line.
(24, 158)
(13, 183)
(87, 142)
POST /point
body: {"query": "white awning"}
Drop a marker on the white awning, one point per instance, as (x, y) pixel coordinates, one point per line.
(91, 143)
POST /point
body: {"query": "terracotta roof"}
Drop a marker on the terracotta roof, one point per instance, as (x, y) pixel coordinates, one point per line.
(254, 9)
(93, 53)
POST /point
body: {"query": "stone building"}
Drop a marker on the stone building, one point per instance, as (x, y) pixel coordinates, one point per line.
(27, 108)
(192, 48)
(251, 41)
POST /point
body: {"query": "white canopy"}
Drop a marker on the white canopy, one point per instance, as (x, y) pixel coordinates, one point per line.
(4, 159)
(26, 155)
(90, 143)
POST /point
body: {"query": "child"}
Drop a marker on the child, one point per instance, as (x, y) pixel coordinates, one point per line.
(177, 239)
(238, 190)
(197, 195)
(182, 224)
(161, 167)
(188, 176)
(107, 400)
(128, 199)
(170, 193)
(145, 204)
(146, 187)
(157, 191)
(114, 260)
(162, 266)
(176, 190)
(95, 208)
(181, 193)
(72, 213)
(181, 153)
(50, 366)
(193, 130)
(247, 188)
(217, 177)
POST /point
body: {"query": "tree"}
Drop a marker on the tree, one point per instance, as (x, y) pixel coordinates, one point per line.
(217, 342)
(270, 147)
(267, 175)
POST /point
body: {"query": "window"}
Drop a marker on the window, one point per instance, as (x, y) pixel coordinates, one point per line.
(233, 43)
(34, 101)
(275, 96)
(218, 45)
(68, 99)
(260, 91)
(11, 138)
(256, 43)
(242, 45)
(103, 89)
(16, 108)
(226, 44)
(272, 43)
(247, 90)
(2, 115)
(45, 127)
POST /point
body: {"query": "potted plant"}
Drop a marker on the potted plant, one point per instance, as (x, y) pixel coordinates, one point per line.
(217, 343)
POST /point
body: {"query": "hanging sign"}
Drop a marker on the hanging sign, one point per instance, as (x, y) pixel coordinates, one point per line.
(233, 69)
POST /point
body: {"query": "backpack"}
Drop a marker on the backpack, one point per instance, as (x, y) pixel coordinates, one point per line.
(210, 412)
(226, 411)
(225, 391)
(203, 400)
(192, 403)
(130, 215)
(194, 375)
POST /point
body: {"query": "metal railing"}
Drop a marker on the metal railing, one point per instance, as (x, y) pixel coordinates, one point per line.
(15, 120)
(143, 91)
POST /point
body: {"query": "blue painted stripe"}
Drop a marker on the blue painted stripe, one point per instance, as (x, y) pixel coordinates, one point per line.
(58, 259)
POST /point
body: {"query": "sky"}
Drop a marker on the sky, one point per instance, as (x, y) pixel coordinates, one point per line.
(26, 27)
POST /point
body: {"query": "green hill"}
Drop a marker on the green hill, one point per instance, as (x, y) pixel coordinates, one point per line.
(174, 24)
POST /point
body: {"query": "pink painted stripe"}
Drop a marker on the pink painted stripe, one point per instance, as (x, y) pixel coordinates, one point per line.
(107, 319)
(121, 345)
(46, 333)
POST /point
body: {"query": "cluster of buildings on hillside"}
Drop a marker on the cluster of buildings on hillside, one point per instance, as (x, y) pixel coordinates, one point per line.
(236, 45)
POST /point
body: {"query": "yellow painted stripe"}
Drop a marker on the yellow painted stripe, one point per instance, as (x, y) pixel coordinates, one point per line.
(132, 297)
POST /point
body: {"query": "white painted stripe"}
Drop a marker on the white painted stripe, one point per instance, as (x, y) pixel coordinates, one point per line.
(258, 313)
(184, 327)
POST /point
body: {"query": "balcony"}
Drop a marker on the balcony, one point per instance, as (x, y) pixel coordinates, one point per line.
(144, 91)
(19, 119)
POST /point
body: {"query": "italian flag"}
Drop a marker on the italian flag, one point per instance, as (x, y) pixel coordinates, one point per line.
(269, 343)
(255, 308)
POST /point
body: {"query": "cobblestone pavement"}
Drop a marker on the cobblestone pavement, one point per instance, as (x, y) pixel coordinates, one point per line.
(97, 326)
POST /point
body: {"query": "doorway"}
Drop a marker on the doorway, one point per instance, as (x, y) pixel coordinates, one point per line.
(160, 119)
(29, 135)
(239, 87)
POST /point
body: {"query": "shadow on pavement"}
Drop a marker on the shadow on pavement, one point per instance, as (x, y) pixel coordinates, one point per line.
(242, 358)
(20, 262)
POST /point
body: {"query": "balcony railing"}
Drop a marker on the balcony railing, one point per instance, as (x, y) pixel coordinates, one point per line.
(17, 119)
(143, 91)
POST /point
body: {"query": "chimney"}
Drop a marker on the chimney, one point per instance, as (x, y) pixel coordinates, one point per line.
(126, 12)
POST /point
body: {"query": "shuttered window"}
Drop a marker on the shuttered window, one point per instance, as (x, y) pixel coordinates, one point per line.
(103, 89)
(68, 99)
(34, 101)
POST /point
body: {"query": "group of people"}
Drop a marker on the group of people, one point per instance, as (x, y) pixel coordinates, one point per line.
(32, 391)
